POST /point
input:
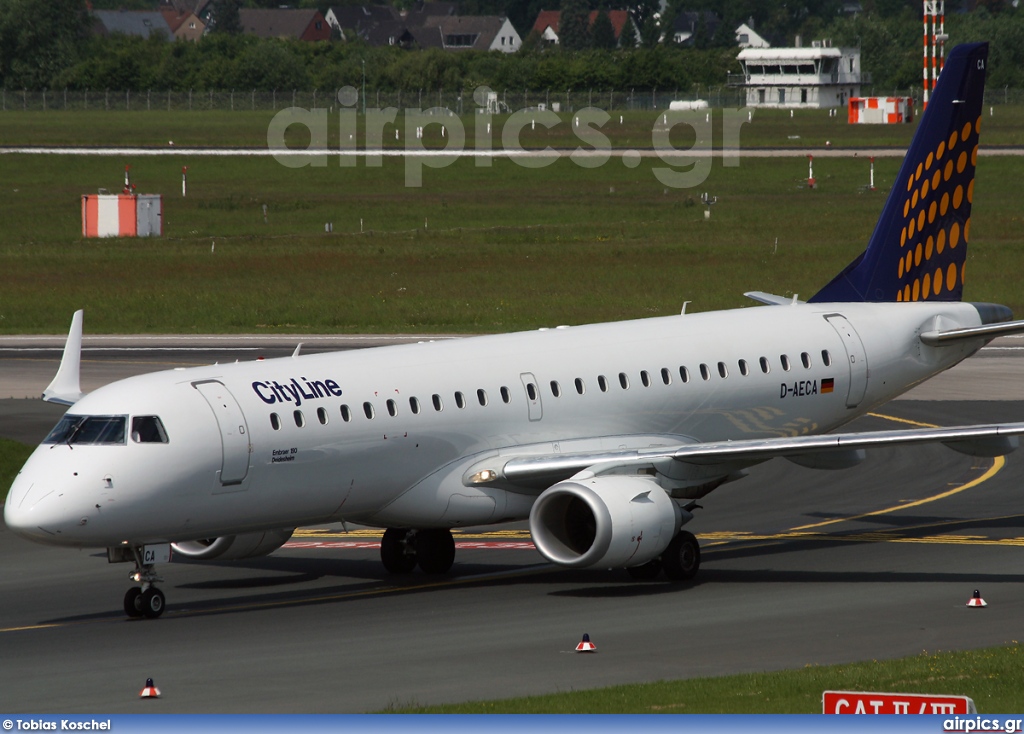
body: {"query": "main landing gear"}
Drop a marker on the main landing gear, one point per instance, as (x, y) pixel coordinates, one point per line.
(680, 561)
(402, 549)
(145, 600)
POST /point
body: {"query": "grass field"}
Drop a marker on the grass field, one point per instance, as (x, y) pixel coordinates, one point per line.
(473, 250)
(993, 677)
(246, 129)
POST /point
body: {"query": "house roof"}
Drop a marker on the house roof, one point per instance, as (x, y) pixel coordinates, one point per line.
(687, 21)
(132, 22)
(484, 27)
(279, 22)
(551, 18)
(361, 17)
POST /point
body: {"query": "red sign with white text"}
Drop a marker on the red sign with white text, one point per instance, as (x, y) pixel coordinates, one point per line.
(863, 702)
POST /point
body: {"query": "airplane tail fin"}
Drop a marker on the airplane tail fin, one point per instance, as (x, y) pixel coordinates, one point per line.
(919, 246)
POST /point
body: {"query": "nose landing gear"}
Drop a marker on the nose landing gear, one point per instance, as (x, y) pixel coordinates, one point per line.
(145, 600)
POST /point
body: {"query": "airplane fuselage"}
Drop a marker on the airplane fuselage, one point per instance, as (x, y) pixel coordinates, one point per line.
(385, 436)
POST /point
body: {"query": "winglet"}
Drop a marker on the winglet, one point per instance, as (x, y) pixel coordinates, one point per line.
(66, 386)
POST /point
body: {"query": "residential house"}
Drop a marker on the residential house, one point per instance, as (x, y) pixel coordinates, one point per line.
(626, 33)
(305, 25)
(476, 32)
(143, 23)
(687, 25)
(360, 20)
(184, 24)
(747, 38)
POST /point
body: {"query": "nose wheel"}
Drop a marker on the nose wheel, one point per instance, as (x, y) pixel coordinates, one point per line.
(145, 600)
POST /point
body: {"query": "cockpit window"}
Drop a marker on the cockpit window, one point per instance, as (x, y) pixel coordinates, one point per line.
(89, 430)
(148, 429)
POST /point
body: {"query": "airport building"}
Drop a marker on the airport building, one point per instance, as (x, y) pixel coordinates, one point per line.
(819, 77)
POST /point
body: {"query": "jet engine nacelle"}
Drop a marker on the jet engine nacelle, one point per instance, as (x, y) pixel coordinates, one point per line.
(234, 547)
(609, 521)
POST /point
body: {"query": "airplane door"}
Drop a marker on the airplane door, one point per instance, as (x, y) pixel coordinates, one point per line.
(857, 359)
(532, 396)
(234, 433)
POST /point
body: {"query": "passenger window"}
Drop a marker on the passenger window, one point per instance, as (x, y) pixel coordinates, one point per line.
(785, 361)
(705, 373)
(300, 419)
(765, 367)
(148, 429)
(666, 376)
(481, 396)
(460, 400)
(556, 389)
(414, 405)
(368, 410)
(438, 405)
(623, 381)
(346, 414)
(275, 421)
(645, 378)
(744, 370)
(580, 387)
(805, 359)
(723, 371)
(506, 396)
(602, 383)
(392, 408)
(826, 358)
(684, 374)
(321, 415)
(531, 391)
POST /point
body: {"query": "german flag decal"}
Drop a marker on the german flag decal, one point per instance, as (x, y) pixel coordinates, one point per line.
(827, 385)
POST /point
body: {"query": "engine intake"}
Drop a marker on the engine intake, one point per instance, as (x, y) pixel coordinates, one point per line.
(610, 521)
(234, 547)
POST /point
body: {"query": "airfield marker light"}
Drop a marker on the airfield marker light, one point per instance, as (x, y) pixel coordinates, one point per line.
(871, 186)
(586, 645)
(184, 181)
(810, 172)
(150, 690)
(976, 600)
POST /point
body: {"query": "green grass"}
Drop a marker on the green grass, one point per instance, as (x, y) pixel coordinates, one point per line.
(248, 129)
(993, 677)
(473, 250)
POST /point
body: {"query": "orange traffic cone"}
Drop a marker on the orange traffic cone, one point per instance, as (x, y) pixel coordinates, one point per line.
(586, 645)
(976, 600)
(150, 691)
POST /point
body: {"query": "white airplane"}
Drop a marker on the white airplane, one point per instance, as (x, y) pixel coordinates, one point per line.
(604, 436)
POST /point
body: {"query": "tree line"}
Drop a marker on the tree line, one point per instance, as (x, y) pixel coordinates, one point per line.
(48, 46)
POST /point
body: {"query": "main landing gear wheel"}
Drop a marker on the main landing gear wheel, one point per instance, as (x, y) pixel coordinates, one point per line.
(397, 550)
(435, 550)
(681, 559)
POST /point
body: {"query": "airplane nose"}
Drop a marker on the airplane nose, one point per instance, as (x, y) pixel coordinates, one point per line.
(32, 510)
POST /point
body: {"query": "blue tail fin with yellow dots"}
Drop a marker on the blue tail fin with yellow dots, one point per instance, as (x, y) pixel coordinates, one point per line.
(919, 246)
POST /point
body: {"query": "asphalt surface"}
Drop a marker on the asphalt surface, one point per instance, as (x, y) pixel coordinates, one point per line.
(795, 572)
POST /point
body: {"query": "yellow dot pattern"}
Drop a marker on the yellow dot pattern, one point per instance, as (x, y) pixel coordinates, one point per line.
(936, 211)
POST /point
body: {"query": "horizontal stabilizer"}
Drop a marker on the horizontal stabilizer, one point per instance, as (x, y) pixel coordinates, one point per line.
(986, 331)
(65, 389)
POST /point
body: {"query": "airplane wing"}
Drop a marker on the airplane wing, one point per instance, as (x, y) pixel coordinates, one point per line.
(541, 471)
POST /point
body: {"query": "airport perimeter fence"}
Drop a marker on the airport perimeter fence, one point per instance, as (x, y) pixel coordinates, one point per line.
(459, 101)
